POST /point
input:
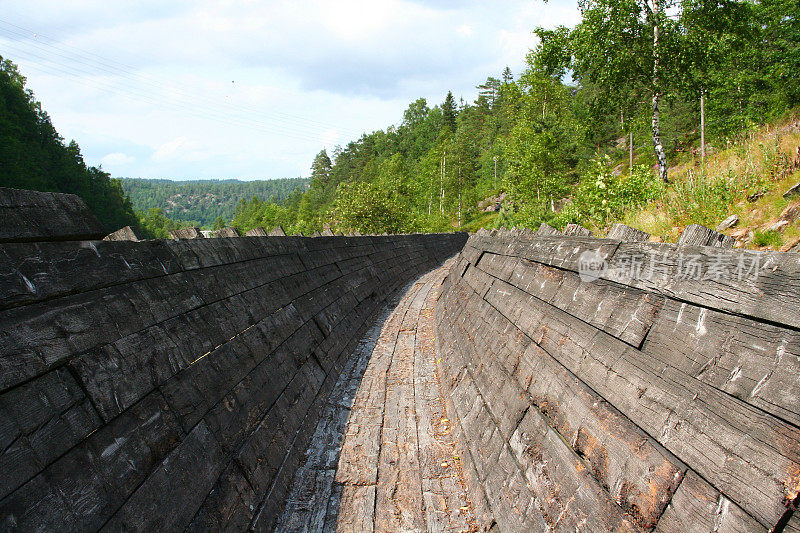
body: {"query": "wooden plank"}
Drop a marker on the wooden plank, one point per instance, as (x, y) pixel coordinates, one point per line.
(447, 507)
(755, 362)
(84, 487)
(45, 216)
(576, 230)
(228, 506)
(357, 509)
(398, 503)
(45, 418)
(623, 312)
(697, 235)
(621, 458)
(180, 484)
(641, 474)
(751, 456)
(42, 335)
(547, 229)
(697, 507)
(726, 279)
(622, 232)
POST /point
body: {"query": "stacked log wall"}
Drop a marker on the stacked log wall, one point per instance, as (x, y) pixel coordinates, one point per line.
(163, 385)
(630, 399)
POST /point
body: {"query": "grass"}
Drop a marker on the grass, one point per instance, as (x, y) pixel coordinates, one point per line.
(708, 193)
(767, 238)
(483, 220)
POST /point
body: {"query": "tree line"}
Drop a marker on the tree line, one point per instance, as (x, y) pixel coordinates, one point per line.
(34, 156)
(202, 202)
(586, 130)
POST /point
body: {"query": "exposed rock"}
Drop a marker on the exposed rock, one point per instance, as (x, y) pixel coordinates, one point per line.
(793, 246)
(791, 213)
(327, 232)
(778, 226)
(756, 195)
(123, 234)
(277, 231)
(729, 222)
(793, 191)
(492, 204)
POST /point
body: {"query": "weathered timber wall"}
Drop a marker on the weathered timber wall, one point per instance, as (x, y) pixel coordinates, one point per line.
(655, 401)
(27, 216)
(163, 385)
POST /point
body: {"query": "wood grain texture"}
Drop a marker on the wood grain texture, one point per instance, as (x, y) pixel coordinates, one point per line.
(176, 384)
(698, 371)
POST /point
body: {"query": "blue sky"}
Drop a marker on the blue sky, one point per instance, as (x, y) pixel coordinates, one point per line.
(252, 89)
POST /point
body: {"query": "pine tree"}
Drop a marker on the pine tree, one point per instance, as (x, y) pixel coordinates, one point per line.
(449, 112)
(321, 169)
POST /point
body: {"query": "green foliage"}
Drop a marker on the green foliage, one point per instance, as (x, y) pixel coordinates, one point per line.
(702, 199)
(155, 225)
(205, 200)
(555, 140)
(267, 214)
(33, 156)
(767, 238)
(368, 208)
(219, 223)
(603, 196)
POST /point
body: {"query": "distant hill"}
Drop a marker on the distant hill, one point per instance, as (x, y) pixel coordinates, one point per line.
(204, 200)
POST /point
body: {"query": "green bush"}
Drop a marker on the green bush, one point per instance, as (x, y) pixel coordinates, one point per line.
(767, 238)
(368, 208)
(602, 196)
(702, 199)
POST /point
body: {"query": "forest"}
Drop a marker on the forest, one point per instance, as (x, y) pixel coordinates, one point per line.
(587, 132)
(204, 201)
(34, 156)
(660, 112)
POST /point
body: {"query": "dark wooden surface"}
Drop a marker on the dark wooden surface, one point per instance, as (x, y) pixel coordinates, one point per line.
(32, 216)
(628, 402)
(165, 385)
(398, 469)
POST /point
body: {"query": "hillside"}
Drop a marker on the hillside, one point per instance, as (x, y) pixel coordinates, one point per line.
(34, 156)
(203, 201)
(556, 141)
(749, 178)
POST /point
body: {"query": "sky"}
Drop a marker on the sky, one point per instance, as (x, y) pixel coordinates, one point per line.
(193, 89)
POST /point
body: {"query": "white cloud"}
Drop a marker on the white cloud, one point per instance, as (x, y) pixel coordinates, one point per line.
(211, 88)
(117, 159)
(329, 137)
(180, 149)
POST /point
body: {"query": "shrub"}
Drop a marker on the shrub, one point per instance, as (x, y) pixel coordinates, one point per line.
(767, 238)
